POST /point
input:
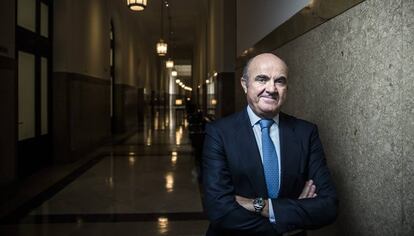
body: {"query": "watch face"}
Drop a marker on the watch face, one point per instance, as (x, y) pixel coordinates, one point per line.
(258, 204)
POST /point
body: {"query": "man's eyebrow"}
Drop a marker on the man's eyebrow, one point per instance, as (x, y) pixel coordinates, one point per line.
(281, 77)
(261, 76)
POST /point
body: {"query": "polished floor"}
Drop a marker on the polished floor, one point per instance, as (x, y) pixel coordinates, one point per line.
(145, 185)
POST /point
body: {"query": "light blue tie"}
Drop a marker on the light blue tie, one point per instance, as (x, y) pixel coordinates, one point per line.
(270, 160)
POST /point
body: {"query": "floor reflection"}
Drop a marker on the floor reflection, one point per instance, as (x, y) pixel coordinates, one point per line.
(163, 225)
(169, 182)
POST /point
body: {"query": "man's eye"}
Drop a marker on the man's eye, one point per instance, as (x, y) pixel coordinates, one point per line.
(281, 80)
(261, 80)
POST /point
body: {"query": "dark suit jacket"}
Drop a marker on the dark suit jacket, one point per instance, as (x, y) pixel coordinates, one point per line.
(232, 166)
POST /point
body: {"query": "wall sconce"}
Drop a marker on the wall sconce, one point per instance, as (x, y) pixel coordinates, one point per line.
(137, 5)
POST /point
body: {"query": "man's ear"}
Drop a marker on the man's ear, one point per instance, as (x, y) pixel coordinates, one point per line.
(244, 84)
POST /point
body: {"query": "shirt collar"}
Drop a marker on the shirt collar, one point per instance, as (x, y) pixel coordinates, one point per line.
(254, 119)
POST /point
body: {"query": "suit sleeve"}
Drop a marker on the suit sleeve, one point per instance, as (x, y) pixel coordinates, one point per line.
(311, 213)
(224, 213)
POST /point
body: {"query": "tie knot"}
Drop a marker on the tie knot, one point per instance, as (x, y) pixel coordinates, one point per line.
(265, 123)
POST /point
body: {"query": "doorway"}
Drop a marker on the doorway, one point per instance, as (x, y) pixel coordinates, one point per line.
(33, 54)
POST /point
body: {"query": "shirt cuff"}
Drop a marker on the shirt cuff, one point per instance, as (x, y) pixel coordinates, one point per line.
(272, 217)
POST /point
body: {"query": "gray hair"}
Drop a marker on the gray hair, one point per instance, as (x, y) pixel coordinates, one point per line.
(245, 75)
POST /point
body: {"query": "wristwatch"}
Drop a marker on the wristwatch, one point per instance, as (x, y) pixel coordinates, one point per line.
(258, 204)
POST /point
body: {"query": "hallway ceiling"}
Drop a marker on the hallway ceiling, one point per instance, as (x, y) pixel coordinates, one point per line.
(185, 14)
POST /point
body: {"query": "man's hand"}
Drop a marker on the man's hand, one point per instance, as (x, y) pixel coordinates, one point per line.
(247, 203)
(309, 191)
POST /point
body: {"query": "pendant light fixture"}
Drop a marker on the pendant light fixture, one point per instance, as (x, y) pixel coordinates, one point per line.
(137, 5)
(162, 48)
(170, 63)
(174, 73)
(161, 45)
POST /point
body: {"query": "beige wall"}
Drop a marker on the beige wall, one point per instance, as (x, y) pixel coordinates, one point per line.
(81, 42)
(199, 65)
(221, 44)
(81, 37)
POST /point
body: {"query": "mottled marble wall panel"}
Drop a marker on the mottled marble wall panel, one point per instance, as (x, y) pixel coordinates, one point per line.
(352, 76)
(407, 96)
(131, 107)
(125, 108)
(81, 119)
(89, 112)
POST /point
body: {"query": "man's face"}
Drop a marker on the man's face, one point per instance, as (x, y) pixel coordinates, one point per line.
(266, 87)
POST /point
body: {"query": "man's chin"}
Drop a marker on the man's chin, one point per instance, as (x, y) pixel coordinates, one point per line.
(269, 112)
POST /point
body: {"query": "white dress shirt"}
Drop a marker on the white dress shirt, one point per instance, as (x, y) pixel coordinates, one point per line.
(274, 135)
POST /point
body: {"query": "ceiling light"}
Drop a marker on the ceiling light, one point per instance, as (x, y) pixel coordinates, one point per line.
(162, 48)
(169, 63)
(161, 45)
(136, 5)
(174, 73)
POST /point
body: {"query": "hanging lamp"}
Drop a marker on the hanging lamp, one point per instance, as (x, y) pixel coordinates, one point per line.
(137, 5)
(161, 45)
(170, 63)
(174, 73)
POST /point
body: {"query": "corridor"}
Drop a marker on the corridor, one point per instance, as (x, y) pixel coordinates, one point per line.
(95, 140)
(146, 184)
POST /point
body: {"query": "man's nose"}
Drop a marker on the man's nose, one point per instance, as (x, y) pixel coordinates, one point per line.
(270, 87)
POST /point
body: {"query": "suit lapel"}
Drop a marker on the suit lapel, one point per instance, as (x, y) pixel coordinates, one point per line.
(290, 150)
(250, 155)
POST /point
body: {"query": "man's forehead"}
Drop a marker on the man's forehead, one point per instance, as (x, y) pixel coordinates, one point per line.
(267, 61)
(267, 67)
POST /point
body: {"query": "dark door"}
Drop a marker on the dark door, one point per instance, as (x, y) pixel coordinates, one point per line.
(33, 53)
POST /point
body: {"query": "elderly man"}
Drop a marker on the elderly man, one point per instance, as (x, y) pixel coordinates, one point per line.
(264, 172)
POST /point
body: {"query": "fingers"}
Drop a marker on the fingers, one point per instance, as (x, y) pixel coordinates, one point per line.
(306, 189)
(309, 190)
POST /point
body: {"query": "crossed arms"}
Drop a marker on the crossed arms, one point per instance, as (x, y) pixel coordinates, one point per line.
(229, 211)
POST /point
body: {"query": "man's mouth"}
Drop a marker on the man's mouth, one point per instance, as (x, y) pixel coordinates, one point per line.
(270, 97)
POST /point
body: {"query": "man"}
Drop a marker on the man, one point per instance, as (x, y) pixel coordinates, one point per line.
(264, 172)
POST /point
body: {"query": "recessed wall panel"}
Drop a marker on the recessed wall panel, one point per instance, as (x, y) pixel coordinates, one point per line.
(26, 97)
(26, 14)
(44, 96)
(44, 20)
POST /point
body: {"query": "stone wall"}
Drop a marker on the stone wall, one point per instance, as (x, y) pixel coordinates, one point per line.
(353, 76)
